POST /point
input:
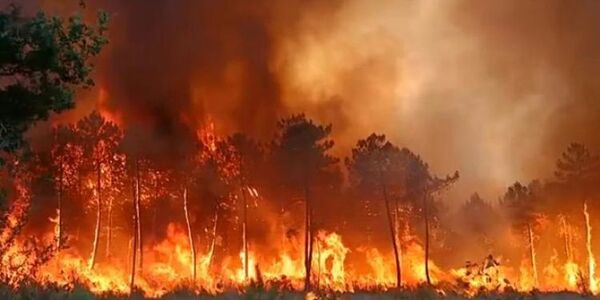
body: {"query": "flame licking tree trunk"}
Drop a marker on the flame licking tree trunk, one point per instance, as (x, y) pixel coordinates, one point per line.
(244, 229)
(426, 215)
(308, 238)
(190, 234)
(138, 220)
(211, 250)
(98, 213)
(397, 227)
(136, 216)
(592, 284)
(566, 231)
(532, 254)
(392, 234)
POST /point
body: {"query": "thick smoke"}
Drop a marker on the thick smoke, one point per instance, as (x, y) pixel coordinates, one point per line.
(495, 89)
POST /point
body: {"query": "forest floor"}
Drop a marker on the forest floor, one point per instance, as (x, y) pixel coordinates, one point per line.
(80, 293)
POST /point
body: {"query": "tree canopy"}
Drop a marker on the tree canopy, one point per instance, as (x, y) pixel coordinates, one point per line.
(43, 60)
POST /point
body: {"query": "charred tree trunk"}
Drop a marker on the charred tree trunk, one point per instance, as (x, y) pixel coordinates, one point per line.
(426, 214)
(532, 255)
(98, 214)
(392, 230)
(308, 238)
(398, 228)
(138, 217)
(211, 250)
(244, 229)
(190, 234)
(591, 261)
(135, 234)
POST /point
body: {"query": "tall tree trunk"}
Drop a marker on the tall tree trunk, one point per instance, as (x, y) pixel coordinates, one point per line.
(319, 270)
(59, 209)
(109, 227)
(211, 251)
(426, 214)
(138, 217)
(532, 255)
(98, 214)
(565, 230)
(392, 230)
(244, 229)
(592, 284)
(135, 234)
(398, 227)
(190, 234)
(308, 238)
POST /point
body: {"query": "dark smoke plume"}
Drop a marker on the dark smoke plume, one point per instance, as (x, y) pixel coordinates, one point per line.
(495, 89)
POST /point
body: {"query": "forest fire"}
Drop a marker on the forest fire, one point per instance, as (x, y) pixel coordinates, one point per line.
(146, 229)
(305, 148)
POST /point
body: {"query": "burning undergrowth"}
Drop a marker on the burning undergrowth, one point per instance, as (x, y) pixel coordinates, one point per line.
(156, 194)
(236, 214)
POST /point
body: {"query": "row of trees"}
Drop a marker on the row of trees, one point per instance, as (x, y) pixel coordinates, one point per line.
(94, 167)
(538, 210)
(43, 60)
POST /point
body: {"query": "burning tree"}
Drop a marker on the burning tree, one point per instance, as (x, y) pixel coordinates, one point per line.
(45, 59)
(300, 153)
(212, 173)
(523, 207)
(432, 185)
(578, 173)
(67, 155)
(20, 257)
(245, 157)
(141, 170)
(116, 192)
(99, 140)
(376, 166)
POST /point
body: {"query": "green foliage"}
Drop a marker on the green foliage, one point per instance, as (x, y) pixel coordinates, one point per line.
(43, 60)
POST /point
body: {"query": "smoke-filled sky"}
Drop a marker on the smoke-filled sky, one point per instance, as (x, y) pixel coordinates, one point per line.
(494, 89)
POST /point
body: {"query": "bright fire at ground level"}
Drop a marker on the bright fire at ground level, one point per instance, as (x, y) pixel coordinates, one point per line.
(204, 159)
(231, 236)
(169, 266)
